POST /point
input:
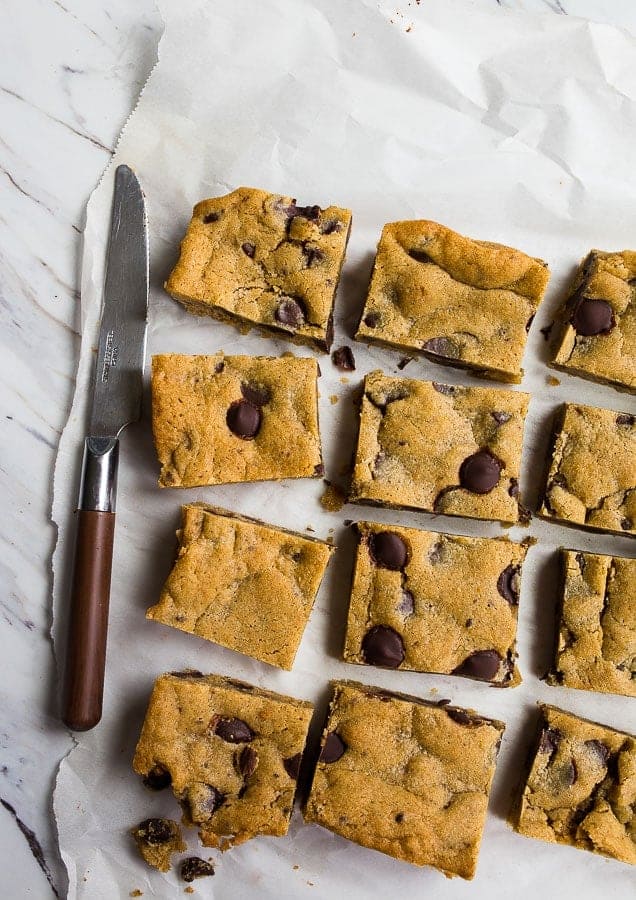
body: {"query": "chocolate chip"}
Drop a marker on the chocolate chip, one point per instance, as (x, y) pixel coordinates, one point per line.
(248, 249)
(399, 818)
(508, 584)
(156, 831)
(469, 623)
(482, 665)
(247, 761)
(443, 702)
(371, 320)
(549, 740)
(513, 488)
(244, 419)
(593, 317)
(463, 718)
(383, 646)
(256, 394)
(306, 212)
(625, 419)
(214, 799)
(627, 524)
(234, 731)
(211, 217)
(406, 604)
(319, 469)
(568, 773)
(443, 388)
(330, 226)
(442, 346)
(580, 561)
(501, 417)
(480, 472)
(529, 322)
(290, 312)
(333, 748)
(219, 367)
(312, 255)
(420, 256)
(343, 359)
(195, 867)
(403, 363)
(292, 765)
(388, 550)
(158, 778)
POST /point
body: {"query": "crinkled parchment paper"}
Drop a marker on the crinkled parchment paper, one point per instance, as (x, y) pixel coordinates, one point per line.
(510, 128)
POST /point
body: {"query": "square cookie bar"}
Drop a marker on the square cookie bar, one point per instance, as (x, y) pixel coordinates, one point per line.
(598, 321)
(439, 448)
(253, 258)
(231, 753)
(592, 477)
(221, 419)
(243, 584)
(458, 301)
(581, 787)
(433, 602)
(596, 640)
(404, 776)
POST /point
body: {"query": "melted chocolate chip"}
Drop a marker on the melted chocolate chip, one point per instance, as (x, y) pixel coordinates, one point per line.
(482, 665)
(568, 773)
(462, 717)
(248, 249)
(343, 359)
(383, 646)
(625, 419)
(211, 217)
(155, 831)
(312, 255)
(442, 346)
(580, 561)
(330, 226)
(306, 212)
(247, 761)
(219, 367)
(319, 469)
(599, 750)
(195, 867)
(214, 799)
(403, 363)
(501, 417)
(593, 317)
(480, 472)
(256, 394)
(508, 584)
(549, 740)
(244, 419)
(290, 312)
(388, 550)
(399, 818)
(292, 765)
(627, 524)
(443, 388)
(513, 488)
(420, 256)
(158, 778)
(333, 748)
(371, 320)
(234, 731)
(406, 604)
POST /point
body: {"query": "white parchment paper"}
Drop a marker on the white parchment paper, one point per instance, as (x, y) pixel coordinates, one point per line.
(505, 127)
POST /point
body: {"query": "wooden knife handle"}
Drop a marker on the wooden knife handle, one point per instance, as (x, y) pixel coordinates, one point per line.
(86, 651)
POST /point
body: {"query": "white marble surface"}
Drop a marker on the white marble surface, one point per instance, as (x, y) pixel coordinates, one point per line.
(69, 75)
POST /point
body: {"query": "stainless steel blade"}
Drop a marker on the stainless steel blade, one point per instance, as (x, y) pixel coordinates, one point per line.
(119, 368)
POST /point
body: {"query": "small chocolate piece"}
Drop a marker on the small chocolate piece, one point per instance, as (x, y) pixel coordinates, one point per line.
(333, 748)
(501, 417)
(448, 389)
(211, 217)
(568, 773)
(306, 212)
(290, 312)
(155, 831)
(513, 488)
(214, 799)
(383, 646)
(343, 359)
(218, 368)
(312, 255)
(244, 419)
(482, 665)
(195, 867)
(403, 363)
(256, 394)
(371, 320)
(158, 778)
(627, 524)
(549, 741)
(480, 472)
(292, 765)
(442, 346)
(248, 249)
(399, 818)
(599, 750)
(507, 585)
(593, 317)
(462, 717)
(625, 419)
(330, 226)
(388, 550)
(406, 604)
(529, 322)
(247, 761)
(319, 470)
(234, 731)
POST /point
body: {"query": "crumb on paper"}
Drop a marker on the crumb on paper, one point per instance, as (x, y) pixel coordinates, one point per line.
(288, 353)
(188, 890)
(347, 522)
(409, 29)
(403, 363)
(553, 381)
(333, 499)
(333, 399)
(344, 379)
(295, 868)
(136, 893)
(343, 359)
(434, 691)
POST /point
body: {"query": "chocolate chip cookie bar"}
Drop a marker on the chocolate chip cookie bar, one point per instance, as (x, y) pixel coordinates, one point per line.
(598, 321)
(221, 419)
(231, 753)
(406, 777)
(459, 301)
(596, 643)
(592, 478)
(241, 583)
(439, 448)
(433, 602)
(253, 258)
(157, 840)
(581, 788)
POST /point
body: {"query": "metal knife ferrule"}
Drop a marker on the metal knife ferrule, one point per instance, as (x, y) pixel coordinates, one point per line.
(98, 485)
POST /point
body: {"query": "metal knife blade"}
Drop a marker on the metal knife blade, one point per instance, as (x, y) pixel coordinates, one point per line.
(118, 381)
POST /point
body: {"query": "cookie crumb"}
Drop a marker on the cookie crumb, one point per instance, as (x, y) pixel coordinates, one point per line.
(553, 381)
(333, 498)
(136, 893)
(333, 399)
(188, 890)
(295, 868)
(344, 380)
(195, 867)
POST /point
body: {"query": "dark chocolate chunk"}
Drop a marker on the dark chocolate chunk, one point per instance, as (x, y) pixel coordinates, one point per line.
(256, 394)
(248, 249)
(330, 226)
(508, 584)
(513, 489)
(247, 761)
(549, 740)
(292, 765)
(442, 346)
(403, 363)
(333, 748)
(388, 550)
(593, 317)
(480, 472)
(462, 717)
(580, 561)
(482, 665)
(158, 778)
(156, 831)
(407, 603)
(290, 312)
(371, 320)
(627, 524)
(312, 255)
(319, 469)
(219, 367)
(211, 217)
(568, 773)
(214, 800)
(420, 256)
(625, 419)
(599, 750)
(399, 818)
(306, 212)
(244, 419)
(343, 359)
(234, 731)
(501, 417)
(383, 646)
(195, 867)
(443, 388)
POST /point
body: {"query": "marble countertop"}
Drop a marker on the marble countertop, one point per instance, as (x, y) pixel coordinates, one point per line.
(69, 77)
